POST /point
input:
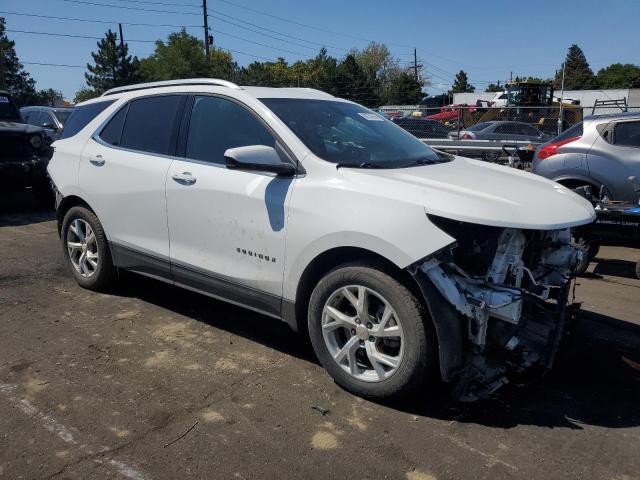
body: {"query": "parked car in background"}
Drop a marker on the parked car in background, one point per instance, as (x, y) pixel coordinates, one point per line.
(402, 264)
(600, 151)
(51, 119)
(422, 127)
(24, 154)
(501, 130)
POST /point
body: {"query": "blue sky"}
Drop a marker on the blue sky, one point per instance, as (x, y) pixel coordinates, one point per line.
(486, 39)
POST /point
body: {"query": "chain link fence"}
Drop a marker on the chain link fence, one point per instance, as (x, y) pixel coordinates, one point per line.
(491, 127)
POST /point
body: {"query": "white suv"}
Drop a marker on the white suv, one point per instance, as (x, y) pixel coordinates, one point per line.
(401, 263)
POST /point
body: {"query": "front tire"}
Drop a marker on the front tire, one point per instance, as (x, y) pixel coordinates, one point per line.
(86, 250)
(371, 333)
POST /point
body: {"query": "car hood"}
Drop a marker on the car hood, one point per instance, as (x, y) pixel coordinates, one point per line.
(15, 127)
(479, 192)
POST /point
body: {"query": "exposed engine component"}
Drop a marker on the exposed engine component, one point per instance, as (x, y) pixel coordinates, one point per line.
(513, 303)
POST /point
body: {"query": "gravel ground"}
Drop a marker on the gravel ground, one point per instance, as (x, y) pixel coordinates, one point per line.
(153, 382)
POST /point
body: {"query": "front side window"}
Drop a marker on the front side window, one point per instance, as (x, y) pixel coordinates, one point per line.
(350, 135)
(627, 134)
(150, 124)
(63, 115)
(218, 124)
(81, 117)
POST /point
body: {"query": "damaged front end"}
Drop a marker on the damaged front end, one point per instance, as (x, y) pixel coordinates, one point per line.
(499, 301)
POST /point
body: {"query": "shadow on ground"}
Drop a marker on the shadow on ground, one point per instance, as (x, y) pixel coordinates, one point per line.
(22, 209)
(592, 383)
(616, 268)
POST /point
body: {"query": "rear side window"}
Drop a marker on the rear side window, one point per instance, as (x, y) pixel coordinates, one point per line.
(112, 131)
(574, 131)
(81, 116)
(218, 124)
(151, 124)
(627, 134)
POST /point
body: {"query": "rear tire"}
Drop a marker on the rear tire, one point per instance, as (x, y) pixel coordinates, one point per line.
(390, 351)
(86, 249)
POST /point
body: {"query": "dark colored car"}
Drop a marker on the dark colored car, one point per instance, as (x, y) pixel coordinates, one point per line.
(24, 154)
(51, 119)
(422, 127)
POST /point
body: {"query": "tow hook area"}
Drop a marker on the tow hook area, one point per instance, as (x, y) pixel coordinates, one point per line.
(511, 311)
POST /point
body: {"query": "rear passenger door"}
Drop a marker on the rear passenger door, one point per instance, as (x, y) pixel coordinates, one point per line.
(123, 172)
(227, 227)
(615, 156)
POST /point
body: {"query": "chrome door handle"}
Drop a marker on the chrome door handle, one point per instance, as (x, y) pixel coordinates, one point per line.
(98, 161)
(184, 178)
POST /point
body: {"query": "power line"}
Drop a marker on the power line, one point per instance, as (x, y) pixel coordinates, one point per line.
(31, 32)
(73, 19)
(294, 22)
(276, 32)
(149, 2)
(54, 64)
(130, 8)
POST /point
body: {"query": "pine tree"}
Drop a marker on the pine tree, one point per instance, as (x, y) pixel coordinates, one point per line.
(114, 67)
(461, 83)
(578, 74)
(13, 77)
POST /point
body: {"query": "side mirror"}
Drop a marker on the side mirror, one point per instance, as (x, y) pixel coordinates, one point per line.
(49, 125)
(257, 158)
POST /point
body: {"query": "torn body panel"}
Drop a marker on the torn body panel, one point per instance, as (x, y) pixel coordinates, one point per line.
(507, 289)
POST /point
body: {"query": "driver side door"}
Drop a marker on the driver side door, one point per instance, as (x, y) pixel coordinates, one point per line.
(227, 228)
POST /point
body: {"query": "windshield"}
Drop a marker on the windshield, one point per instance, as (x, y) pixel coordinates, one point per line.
(62, 115)
(7, 109)
(351, 135)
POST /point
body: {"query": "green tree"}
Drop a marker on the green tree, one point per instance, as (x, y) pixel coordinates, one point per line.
(114, 67)
(85, 93)
(403, 89)
(578, 74)
(619, 75)
(494, 87)
(49, 97)
(461, 83)
(354, 84)
(182, 56)
(13, 77)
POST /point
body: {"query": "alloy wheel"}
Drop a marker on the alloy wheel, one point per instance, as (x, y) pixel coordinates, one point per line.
(363, 333)
(82, 245)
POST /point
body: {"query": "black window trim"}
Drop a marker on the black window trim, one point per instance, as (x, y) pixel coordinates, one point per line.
(614, 127)
(186, 120)
(174, 130)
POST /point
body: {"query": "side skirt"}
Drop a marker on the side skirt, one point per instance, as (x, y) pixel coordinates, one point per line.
(197, 280)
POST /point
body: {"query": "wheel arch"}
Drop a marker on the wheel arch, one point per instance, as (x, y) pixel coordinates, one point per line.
(66, 204)
(295, 313)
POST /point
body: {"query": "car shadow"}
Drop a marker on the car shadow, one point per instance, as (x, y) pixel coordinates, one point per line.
(22, 209)
(592, 383)
(615, 268)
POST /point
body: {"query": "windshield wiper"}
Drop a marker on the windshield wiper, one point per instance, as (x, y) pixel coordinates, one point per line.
(358, 165)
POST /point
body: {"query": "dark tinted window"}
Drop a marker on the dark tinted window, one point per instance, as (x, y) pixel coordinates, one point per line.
(150, 122)
(573, 131)
(113, 130)
(627, 134)
(32, 117)
(8, 110)
(81, 116)
(218, 124)
(63, 115)
(47, 118)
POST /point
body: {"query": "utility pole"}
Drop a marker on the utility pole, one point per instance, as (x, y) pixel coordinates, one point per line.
(561, 112)
(121, 36)
(415, 64)
(206, 27)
